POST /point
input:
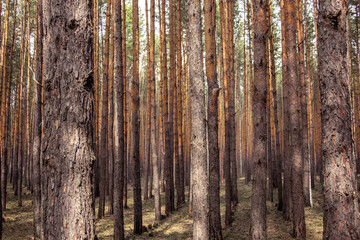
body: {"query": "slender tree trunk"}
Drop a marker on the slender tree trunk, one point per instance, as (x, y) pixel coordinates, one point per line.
(357, 96)
(97, 112)
(226, 162)
(250, 106)
(20, 136)
(287, 209)
(310, 103)
(171, 101)
(37, 133)
(231, 79)
(278, 158)
(27, 99)
(148, 108)
(135, 121)
(180, 159)
(119, 124)
(269, 157)
(244, 126)
(5, 109)
(318, 137)
(341, 220)
(303, 104)
(68, 154)
(154, 155)
(125, 101)
(111, 115)
(244, 136)
(168, 155)
(104, 154)
(213, 94)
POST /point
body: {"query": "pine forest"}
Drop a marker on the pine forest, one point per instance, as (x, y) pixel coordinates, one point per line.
(179, 119)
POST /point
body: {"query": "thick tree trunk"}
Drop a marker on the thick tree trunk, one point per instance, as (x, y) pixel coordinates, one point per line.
(68, 155)
(258, 200)
(198, 124)
(341, 220)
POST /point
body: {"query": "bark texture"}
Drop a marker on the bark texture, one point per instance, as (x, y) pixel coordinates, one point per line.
(135, 127)
(119, 155)
(37, 131)
(200, 201)
(341, 211)
(258, 200)
(213, 94)
(68, 154)
(295, 150)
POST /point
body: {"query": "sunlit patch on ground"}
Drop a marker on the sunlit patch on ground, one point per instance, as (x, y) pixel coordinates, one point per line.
(19, 222)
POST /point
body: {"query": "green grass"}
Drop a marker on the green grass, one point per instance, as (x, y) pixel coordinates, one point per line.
(18, 220)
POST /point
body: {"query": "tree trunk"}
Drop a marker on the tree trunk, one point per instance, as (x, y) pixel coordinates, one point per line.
(341, 220)
(19, 149)
(213, 94)
(110, 122)
(136, 121)
(27, 99)
(171, 103)
(310, 104)
(5, 106)
(119, 124)
(226, 159)
(96, 99)
(296, 154)
(147, 122)
(104, 154)
(244, 125)
(37, 133)
(68, 155)
(168, 155)
(278, 158)
(258, 203)
(181, 189)
(198, 124)
(287, 209)
(154, 155)
(303, 103)
(125, 101)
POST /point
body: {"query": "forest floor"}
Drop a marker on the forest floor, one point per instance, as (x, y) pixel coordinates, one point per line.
(18, 220)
